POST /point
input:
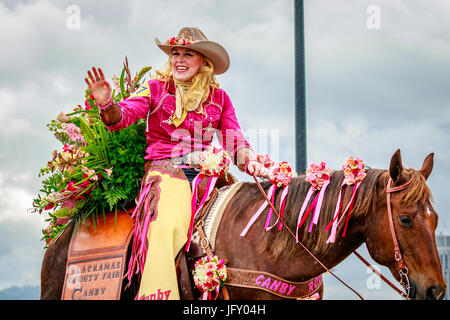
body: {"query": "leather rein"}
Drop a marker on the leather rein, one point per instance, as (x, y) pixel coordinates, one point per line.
(403, 270)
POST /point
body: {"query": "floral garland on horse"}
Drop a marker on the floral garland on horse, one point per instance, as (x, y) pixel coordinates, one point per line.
(96, 171)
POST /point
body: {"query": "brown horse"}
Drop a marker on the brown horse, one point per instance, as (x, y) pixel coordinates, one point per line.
(278, 253)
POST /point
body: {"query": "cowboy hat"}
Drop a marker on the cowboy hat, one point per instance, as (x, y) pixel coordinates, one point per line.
(194, 38)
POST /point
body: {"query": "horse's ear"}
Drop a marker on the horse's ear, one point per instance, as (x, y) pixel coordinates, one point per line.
(396, 167)
(427, 166)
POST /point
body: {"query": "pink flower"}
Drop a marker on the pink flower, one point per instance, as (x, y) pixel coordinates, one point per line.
(73, 132)
(109, 172)
(209, 266)
(67, 148)
(353, 170)
(281, 174)
(71, 186)
(265, 160)
(87, 105)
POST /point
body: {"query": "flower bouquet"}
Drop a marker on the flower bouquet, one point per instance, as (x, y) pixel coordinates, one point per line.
(209, 275)
(96, 171)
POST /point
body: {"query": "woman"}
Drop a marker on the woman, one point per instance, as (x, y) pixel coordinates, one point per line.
(184, 107)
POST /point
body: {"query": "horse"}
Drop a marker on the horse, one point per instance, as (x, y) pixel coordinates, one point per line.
(277, 252)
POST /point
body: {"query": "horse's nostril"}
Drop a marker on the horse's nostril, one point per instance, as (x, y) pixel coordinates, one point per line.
(434, 293)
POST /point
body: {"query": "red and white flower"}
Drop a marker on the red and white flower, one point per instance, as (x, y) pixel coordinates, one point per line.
(354, 170)
(281, 174)
(209, 273)
(318, 174)
(214, 162)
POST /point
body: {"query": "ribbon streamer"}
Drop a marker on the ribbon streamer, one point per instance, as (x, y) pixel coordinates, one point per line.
(335, 222)
(316, 213)
(271, 196)
(139, 248)
(282, 202)
(258, 212)
(302, 210)
(195, 209)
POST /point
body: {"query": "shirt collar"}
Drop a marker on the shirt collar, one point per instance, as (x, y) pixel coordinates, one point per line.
(171, 87)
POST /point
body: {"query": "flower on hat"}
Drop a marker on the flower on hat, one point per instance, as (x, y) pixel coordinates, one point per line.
(181, 41)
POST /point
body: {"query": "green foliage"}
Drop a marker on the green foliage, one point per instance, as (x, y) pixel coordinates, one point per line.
(98, 170)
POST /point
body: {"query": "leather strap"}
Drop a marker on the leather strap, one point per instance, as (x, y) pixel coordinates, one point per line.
(273, 284)
(397, 251)
(393, 286)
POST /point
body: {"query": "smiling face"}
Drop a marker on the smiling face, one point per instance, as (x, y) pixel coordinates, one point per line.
(186, 63)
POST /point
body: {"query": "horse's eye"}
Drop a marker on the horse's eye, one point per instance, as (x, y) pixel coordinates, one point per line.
(406, 221)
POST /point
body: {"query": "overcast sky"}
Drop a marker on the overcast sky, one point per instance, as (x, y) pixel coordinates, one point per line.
(372, 86)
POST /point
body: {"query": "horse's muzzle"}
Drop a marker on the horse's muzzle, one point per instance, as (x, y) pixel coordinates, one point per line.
(435, 293)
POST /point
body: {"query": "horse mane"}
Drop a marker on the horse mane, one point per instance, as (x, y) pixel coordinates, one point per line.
(418, 191)
(281, 242)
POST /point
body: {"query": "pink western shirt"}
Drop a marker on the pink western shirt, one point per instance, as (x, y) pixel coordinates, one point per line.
(155, 100)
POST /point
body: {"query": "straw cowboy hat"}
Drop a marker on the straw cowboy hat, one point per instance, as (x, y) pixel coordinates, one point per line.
(194, 38)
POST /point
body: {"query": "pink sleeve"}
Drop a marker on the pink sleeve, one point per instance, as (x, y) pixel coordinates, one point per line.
(133, 109)
(232, 137)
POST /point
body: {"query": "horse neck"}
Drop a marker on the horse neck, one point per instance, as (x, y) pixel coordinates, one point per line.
(330, 255)
(333, 253)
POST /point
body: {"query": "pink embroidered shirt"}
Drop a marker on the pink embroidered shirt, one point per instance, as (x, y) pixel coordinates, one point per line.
(155, 101)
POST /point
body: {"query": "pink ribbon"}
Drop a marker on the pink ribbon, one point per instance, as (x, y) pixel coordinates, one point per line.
(208, 296)
(302, 210)
(271, 196)
(318, 205)
(194, 208)
(258, 212)
(335, 222)
(139, 249)
(282, 202)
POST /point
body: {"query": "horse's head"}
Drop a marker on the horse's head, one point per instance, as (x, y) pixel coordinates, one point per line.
(414, 222)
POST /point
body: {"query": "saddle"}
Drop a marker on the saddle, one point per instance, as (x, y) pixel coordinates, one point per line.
(96, 258)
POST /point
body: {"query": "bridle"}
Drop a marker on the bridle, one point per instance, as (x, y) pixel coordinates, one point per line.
(403, 269)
